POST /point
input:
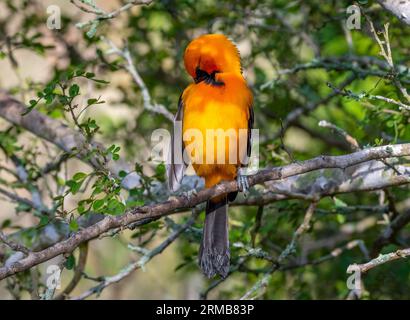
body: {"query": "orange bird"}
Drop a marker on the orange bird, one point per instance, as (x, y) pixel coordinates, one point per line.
(215, 111)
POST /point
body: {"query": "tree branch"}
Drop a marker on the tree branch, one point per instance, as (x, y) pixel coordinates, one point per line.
(381, 259)
(289, 250)
(101, 15)
(399, 8)
(298, 112)
(390, 232)
(132, 70)
(78, 272)
(178, 203)
(13, 245)
(148, 255)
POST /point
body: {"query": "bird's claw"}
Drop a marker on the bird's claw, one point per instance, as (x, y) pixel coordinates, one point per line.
(190, 194)
(243, 183)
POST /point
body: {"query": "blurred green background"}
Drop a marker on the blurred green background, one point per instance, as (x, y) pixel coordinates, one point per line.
(293, 54)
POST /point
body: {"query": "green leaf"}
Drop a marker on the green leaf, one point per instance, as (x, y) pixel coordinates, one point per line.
(60, 181)
(122, 174)
(92, 124)
(96, 190)
(79, 73)
(6, 223)
(81, 209)
(135, 203)
(74, 90)
(70, 262)
(23, 207)
(115, 207)
(339, 203)
(73, 225)
(84, 202)
(63, 100)
(90, 75)
(98, 204)
(160, 172)
(74, 186)
(340, 218)
(79, 176)
(43, 221)
(181, 265)
(100, 81)
(92, 101)
(49, 88)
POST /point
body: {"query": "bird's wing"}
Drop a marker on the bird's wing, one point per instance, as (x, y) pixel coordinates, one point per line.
(175, 163)
(250, 127)
(245, 160)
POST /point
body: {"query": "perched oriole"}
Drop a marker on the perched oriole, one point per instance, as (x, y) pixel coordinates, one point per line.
(219, 100)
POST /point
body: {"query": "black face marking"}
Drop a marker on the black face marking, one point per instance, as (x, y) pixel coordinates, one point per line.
(202, 75)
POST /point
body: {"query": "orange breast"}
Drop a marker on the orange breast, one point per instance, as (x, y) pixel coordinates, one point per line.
(215, 127)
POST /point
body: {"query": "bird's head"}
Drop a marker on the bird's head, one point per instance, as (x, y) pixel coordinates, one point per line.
(210, 54)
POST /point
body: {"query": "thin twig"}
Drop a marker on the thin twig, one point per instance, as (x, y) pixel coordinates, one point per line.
(101, 15)
(78, 272)
(349, 139)
(130, 67)
(257, 224)
(381, 259)
(388, 235)
(13, 245)
(289, 250)
(177, 203)
(385, 51)
(14, 197)
(147, 256)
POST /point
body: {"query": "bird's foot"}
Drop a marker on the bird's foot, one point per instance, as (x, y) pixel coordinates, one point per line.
(190, 194)
(243, 183)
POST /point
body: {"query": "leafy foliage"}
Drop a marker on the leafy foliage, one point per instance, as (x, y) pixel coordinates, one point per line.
(294, 55)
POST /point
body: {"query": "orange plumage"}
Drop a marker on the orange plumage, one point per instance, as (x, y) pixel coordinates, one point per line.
(217, 118)
(223, 106)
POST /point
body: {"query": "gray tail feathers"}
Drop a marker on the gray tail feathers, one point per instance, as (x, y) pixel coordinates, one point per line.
(214, 253)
